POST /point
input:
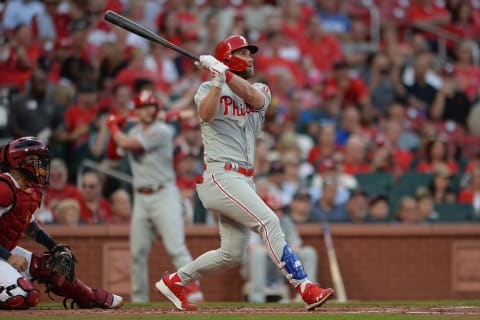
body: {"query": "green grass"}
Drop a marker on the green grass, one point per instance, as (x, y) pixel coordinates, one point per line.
(332, 311)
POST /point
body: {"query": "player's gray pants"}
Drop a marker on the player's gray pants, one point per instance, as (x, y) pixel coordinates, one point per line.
(159, 213)
(262, 272)
(233, 196)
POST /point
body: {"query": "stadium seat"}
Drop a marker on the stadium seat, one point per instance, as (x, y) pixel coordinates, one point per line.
(454, 212)
(410, 181)
(375, 182)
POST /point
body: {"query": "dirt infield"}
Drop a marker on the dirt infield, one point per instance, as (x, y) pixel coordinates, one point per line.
(134, 311)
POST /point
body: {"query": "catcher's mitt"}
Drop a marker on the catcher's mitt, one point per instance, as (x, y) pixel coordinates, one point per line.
(62, 261)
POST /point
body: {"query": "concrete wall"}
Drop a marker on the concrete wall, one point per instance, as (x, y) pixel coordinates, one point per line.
(378, 262)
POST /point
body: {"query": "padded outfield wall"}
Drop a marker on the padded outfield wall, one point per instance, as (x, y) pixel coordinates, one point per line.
(378, 262)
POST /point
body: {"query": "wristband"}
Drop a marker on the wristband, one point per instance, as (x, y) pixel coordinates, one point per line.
(114, 129)
(228, 76)
(4, 253)
(173, 115)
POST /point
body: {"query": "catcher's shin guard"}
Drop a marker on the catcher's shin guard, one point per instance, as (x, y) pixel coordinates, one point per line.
(81, 294)
(21, 295)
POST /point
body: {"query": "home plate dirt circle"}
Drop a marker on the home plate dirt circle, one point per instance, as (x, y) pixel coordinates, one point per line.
(139, 311)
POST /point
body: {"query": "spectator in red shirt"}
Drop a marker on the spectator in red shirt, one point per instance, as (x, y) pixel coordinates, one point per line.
(95, 208)
(80, 115)
(428, 12)
(294, 15)
(465, 22)
(355, 160)
(58, 188)
(19, 57)
(325, 145)
(169, 26)
(381, 156)
(353, 90)
(274, 59)
(136, 70)
(334, 167)
(467, 73)
(319, 48)
(401, 157)
(436, 155)
(121, 204)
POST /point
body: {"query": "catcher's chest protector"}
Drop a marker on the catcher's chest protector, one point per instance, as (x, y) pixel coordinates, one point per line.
(14, 222)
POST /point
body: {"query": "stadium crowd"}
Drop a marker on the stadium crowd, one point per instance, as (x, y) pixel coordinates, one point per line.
(360, 129)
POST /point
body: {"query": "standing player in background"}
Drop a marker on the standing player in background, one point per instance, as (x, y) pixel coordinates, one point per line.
(232, 111)
(25, 166)
(157, 206)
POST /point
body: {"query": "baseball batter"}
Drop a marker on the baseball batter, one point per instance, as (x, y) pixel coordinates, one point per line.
(157, 203)
(232, 111)
(25, 164)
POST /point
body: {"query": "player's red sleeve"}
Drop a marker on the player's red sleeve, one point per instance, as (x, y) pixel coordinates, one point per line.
(6, 194)
(112, 150)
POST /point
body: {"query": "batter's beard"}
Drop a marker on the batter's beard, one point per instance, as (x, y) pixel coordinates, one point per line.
(246, 74)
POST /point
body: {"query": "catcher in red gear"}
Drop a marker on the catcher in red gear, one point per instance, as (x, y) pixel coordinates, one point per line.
(25, 168)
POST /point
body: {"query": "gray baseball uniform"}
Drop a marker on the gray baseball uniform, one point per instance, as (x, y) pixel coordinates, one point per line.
(230, 139)
(158, 211)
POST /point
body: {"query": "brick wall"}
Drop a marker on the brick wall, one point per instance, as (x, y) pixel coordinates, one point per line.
(378, 262)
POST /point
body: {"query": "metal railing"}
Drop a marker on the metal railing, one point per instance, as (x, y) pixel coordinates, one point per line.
(444, 36)
(87, 163)
(375, 20)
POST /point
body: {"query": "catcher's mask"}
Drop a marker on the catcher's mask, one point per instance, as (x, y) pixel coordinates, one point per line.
(29, 155)
(225, 48)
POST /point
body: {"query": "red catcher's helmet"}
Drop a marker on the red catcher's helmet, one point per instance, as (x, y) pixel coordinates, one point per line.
(16, 155)
(224, 49)
(146, 98)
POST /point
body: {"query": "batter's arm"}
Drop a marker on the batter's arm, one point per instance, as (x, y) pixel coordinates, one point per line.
(246, 91)
(209, 104)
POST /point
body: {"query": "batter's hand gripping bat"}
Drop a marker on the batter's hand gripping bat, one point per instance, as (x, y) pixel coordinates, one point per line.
(333, 263)
(144, 32)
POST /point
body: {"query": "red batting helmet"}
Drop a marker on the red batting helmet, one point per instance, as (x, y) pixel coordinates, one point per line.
(146, 98)
(224, 49)
(15, 155)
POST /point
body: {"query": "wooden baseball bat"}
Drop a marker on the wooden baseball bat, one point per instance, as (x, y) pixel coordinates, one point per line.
(333, 263)
(144, 32)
